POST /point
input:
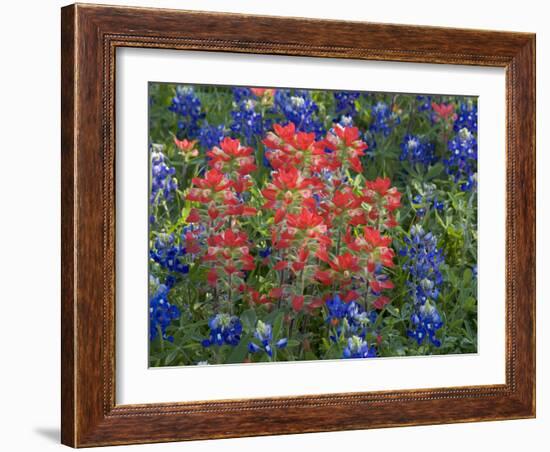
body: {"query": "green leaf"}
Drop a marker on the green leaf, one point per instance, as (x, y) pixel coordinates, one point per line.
(249, 318)
(467, 277)
(278, 326)
(171, 357)
(238, 354)
(435, 171)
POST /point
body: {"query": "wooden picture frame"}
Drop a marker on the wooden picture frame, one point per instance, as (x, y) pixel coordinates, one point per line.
(90, 36)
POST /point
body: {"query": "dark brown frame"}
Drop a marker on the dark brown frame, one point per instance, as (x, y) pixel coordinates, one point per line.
(90, 36)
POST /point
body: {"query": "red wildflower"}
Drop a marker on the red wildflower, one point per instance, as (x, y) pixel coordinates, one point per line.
(300, 263)
(276, 292)
(279, 215)
(257, 298)
(212, 277)
(297, 302)
(352, 295)
(282, 240)
(316, 302)
(346, 143)
(281, 265)
(288, 186)
(287, 149)
(324, 277)
(380, 185)
(383, 200)
(443, 111)
(186, 148)
(280, 136)
(193, 216)
(192, 244)
(241, 210)
(306, 220)
(228, 239)
(263, 92)
(380, 302)
(374, 239)
(231, 156)
(345, 263)
(377, 285)
(206, 188)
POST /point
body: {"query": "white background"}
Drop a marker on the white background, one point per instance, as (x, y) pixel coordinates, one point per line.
(137, 384)
(29, 389)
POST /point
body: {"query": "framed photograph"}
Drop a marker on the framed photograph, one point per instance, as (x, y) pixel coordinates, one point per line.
(281, 225)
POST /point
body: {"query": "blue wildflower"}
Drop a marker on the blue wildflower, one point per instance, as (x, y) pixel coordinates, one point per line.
(163, 182)
(224, 329)
(428, 200)
(241, 93)
(423, 264)
(264, 335)
(370, 139)
(210, 136)
(298, 107)
(161, 312)
(466, 117)
(424, 103)
(462, 162)
(425, 322)
(187, 105)
(416, 150)
(357, 347)
(337, 309)
(345, 105)
(168, 254)
(348, 318)
(246, 121)
(265, 252)
(383, 119)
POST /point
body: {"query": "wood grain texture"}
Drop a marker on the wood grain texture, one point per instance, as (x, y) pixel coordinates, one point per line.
(90, 36)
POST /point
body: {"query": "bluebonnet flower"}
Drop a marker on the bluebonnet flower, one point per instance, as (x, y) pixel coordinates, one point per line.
(163, 181)
(462, 162)
(210, 136)
(265, 252)
(345, 105)
(424, 103)
(187, 105)
(370, 139)
(168, 254)
(264, 335)
(416, 150)
(383, 119)
(224, 329)
(427, 200)
(425, 323)
(246, 121)
(357, 347)
(298, 107)
(348, 318)
(241, 93)
(337, 309)
(466, 117)
(346, 121)
(423, 264)
(161, 312)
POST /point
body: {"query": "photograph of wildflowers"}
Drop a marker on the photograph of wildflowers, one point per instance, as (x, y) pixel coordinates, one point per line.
(295, 224)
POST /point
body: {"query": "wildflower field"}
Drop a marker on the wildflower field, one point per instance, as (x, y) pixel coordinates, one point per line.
(291, 224)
